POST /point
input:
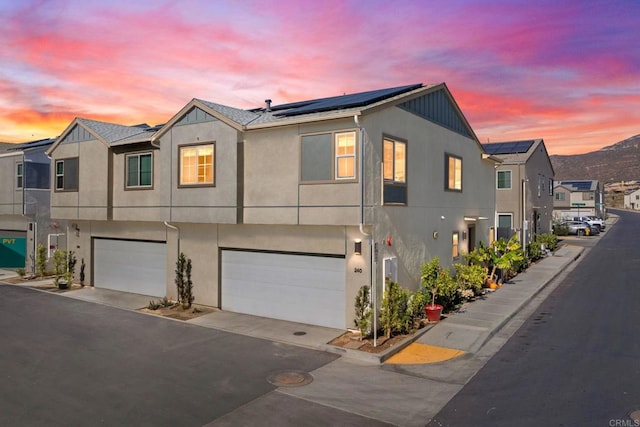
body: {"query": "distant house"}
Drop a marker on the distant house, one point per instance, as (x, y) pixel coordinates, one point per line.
(285, 210)
(25, 219)
(632, 200)
(524, 188)
(578, 198)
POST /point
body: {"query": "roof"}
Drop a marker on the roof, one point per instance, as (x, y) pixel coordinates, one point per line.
(580, 185)
(512, 151)
(111, 132)
(33, 144)
(6, 146)
(340, 102)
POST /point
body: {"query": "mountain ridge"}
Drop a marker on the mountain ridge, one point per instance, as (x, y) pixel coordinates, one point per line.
(613, 163)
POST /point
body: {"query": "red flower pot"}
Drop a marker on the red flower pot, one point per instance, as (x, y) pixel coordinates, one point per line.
(433, 312)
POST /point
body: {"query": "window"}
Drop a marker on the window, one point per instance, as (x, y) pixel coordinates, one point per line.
(504, 180)
(394, 171)
(67, 174)
(453, 172)
(550, 187)
(560, 196)
(637, 197)
(139, 170)
(588, 195)
(19, 175)
(505, 224)
(197, 165)
(328, 157)
(455, 244)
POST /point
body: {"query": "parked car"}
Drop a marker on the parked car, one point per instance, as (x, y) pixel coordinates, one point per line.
(591, 221)
(577, 228)
(597, 221)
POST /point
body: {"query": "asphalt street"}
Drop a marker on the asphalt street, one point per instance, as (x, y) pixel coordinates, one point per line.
(71, 363)
(574, 362)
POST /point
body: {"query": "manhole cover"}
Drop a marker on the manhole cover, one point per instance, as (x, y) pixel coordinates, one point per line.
(299, 333)
(290, 379)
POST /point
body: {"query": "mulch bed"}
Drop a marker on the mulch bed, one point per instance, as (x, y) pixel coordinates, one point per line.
(179, 313)
(352, 340)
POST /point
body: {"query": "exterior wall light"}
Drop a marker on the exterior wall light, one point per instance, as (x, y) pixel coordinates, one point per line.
(358, 247)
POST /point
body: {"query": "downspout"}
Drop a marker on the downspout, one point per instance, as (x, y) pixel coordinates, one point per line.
(374, 296)
(173, 227)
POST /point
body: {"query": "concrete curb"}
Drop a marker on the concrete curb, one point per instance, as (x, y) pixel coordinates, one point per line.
(375, 358)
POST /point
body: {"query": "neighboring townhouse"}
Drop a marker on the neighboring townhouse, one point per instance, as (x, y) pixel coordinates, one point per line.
(284, 210)
(524, 189)
(578, 198)
(24, 204)
(632, 200)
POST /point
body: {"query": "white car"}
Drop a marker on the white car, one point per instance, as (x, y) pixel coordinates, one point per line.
(591, 220)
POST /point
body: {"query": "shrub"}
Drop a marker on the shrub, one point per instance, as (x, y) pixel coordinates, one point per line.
(394, 316)
(534, 250)
(82, 266)
(549, 240)
(439, 283)
(184, 285)
(41, 259)
(21, 272)
(363, 313)
(153, 305)
(560, 230)
(469, 277)
(59, 264)
(71, 264)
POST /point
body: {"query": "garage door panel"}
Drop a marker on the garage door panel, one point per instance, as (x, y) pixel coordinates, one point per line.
(130, 266)
(299, 288)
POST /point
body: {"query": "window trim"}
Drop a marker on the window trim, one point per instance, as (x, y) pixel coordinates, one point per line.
(19, 175)
(447, 157)
(213, 164)
(510, 187)
(334, 157)
(57, 175)
(337, 156)
(560, 196)
(392, 182)
(128, 187)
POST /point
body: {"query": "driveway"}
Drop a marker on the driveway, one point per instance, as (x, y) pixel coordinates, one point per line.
(69, 362)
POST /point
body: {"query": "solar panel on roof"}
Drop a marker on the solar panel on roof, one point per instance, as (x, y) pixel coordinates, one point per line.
(508, 147)
(579, 185)
(339, 102)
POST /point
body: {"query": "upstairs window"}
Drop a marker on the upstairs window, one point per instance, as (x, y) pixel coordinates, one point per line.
(328, 157)
(139, 170)
(197, 165)
(394, 171)
(453, 178)
(67, 174)
(504, 180)
(550, 187)
(560, 196)
(19, 175)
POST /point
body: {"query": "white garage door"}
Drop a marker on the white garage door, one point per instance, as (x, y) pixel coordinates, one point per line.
(130, 266)
(298, 288)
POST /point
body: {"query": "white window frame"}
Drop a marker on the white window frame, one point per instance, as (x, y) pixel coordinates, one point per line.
(499, 214)
(457, 178)
(338, 156)
(455, 245)
(59, 175)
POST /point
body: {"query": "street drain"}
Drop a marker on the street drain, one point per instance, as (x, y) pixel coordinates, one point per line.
(299, 333)
(290, 379)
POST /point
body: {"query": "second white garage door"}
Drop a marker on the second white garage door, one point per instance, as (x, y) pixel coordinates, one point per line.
(298, 288)
(130, 266)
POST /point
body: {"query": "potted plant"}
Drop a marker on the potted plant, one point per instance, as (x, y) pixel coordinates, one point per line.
(436, 281)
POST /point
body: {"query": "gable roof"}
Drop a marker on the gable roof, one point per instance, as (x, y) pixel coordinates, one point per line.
(107, 133)
(516, 152)
(580, 185)
(334, 107)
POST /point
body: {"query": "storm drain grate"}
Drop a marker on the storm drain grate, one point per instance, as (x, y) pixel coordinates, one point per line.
(299, 333)
(290, 379)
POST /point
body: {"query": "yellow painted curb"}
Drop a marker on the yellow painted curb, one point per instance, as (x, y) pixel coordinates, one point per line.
(417, 353)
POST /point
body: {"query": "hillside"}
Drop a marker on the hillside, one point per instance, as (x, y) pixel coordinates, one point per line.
(618, 162)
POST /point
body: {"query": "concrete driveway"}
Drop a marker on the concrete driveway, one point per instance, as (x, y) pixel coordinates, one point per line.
(68, 362)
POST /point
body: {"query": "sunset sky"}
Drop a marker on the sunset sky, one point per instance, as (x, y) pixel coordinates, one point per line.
(564, 71)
